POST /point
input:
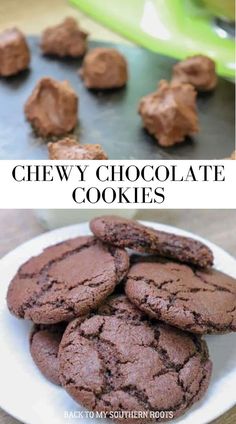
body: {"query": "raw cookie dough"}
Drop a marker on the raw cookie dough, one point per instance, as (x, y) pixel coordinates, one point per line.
(126, 233)
(44, 345)
(52, 108)
(104, 68)
(65, 39)
(14, 52)
(69, 149)
(197, 301)
(197, 70)
(66, 280)
(170, 113)
(117, 360)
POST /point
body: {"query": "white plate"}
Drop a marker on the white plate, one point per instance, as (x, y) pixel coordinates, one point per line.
(28, 396)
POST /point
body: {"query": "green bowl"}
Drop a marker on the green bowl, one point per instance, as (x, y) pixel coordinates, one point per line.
(176, 28)
(224, 9)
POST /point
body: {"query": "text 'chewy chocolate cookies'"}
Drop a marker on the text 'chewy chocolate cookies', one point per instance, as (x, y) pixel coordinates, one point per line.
(193, 300)
(67, 280)
(126, 233)
(119, 361)
(44, 346)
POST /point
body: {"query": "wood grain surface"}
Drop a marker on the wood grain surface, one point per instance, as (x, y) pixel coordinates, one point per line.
(18, 226)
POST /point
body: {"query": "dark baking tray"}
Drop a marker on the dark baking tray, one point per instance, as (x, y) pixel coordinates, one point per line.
(110, 118)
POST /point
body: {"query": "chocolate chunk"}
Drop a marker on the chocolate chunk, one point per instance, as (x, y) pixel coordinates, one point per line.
(104, 68)
(69, 149)
(196, 70)
(197, 301)
(170, 113)
(14, 52)
(66, 281)
(126, 233)
(120, 361)
(44, 346)
(65, 39)
(52, 108)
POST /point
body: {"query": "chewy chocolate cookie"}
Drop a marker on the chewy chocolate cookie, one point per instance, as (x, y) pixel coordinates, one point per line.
(66, 280)
(123, 233)
(193, 300)
(44, 345)
(118, 360)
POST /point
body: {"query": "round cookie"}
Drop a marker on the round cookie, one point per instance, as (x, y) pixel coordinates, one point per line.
(124, 233)
(193, 300)
(44, 345)
(66, 280)
(118, 360)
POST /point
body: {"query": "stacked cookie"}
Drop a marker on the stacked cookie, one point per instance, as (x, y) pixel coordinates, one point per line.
(122, 332)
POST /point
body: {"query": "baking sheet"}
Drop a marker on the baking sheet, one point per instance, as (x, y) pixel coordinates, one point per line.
(110, 118)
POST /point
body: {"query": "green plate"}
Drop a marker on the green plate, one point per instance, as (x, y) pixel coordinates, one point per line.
(176, 28)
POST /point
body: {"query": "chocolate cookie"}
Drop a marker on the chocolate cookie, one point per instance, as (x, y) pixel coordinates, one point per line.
(70, 149)
(44, 345)
(104, 69)
(52, 108)
(197, 70)
(193, 300)
(65, 39)
(66, 280)
(170, 113)
(119, 361)
(123, 233)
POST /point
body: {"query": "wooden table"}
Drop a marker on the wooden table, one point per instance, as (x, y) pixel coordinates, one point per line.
(17, 226)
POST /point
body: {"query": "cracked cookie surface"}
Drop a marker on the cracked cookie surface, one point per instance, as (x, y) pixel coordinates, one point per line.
(118, 360)
(127, 233)
(193, 300)
(44, 345)
(66, 280)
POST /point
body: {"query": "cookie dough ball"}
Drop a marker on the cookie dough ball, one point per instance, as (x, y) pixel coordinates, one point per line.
(52, 108)
(69, 149)
(170, 113)
(44, 346)
(14, 52)
(233, 156)
(104, 68)
(196, 70)
(65, 39)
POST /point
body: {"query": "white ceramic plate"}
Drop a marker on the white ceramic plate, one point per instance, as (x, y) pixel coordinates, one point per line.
(28, 396)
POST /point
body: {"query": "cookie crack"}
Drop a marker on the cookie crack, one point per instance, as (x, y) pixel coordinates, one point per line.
(217, 286)
(172, 298)
(60, 258)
